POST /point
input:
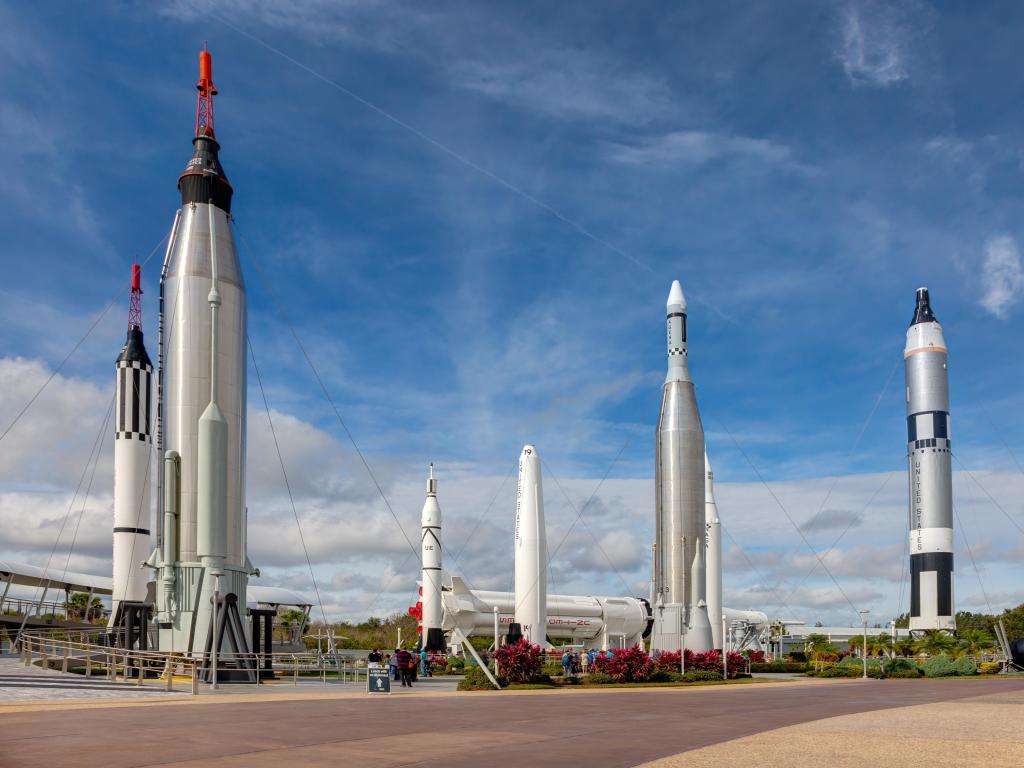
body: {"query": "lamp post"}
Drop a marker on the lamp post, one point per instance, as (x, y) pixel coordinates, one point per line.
(495, 641)
(892, 634)
(725, 652)
(864, 651)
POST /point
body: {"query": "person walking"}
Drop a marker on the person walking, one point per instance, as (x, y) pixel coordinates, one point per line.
(374, 658)
(405, 662)
(424, 663)
(566, 663)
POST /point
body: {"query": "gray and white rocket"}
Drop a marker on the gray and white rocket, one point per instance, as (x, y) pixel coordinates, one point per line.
(202, 401)
(680, 608)
(930, 474)
(530, 554)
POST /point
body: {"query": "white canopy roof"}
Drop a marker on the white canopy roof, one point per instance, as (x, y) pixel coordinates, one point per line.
(54, 578)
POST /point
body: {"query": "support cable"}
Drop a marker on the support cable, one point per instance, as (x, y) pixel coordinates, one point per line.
(991, 498)
(288, 488)
(60, 366)
(790, 518)
(445, 149)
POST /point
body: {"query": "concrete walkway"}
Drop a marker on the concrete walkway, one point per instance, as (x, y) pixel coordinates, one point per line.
(985, 732)
(623, 727)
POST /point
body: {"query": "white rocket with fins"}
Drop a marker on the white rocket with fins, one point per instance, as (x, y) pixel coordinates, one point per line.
(133, 444)
(713, 558)
(531, 557)
(430, 554)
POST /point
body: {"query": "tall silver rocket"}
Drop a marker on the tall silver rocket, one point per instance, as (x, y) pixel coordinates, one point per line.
(531, 553)
(133, 444)
(680, 609)
(930, 471)
(203, 421)
(430, 556)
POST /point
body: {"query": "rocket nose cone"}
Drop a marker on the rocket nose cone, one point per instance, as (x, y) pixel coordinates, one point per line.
(675, 296)
(528, 450)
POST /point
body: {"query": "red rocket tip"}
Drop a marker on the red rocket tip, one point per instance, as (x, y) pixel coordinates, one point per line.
(207, 90)
(136, 278)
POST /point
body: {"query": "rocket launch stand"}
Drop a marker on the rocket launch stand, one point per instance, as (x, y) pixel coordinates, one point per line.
(239, 666)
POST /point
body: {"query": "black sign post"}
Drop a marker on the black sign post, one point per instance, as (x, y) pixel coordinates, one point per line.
(378, 680)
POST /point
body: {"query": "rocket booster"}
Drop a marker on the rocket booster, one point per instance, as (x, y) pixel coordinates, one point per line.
(132, 445)
(930, 471)
(679, 499)
(531, 557)
(430, 554)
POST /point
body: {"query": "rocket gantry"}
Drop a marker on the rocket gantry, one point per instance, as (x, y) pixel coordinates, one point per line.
(925, 361)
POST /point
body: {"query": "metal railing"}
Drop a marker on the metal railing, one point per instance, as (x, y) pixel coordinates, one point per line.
(92, 654)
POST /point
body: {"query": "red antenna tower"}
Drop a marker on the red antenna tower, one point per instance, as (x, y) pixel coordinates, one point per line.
(204, 110)
(135, 301)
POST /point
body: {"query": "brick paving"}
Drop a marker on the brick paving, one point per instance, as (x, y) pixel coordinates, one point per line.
(593, 728)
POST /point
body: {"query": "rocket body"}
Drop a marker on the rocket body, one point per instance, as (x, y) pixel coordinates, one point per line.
(134, 409)
(713, 526)
(679, 500)
(530, 550)
(929, 471)
(430, 554)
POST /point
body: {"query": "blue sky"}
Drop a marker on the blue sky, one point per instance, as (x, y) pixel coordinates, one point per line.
(494, 270)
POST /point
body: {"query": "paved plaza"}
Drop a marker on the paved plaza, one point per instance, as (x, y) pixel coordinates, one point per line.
(811, 722)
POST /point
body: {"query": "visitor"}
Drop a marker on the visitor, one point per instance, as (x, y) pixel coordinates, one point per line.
(374, 658)
(592, 656)
(393, 664)
(424, 663)
(584, 662)
(566, 663)
(405, 663)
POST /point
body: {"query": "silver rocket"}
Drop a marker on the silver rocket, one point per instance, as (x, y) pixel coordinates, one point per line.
(430, 555)
(133, 444)
(930, 471)
(203, 421)
(680, 610)
(531, 557)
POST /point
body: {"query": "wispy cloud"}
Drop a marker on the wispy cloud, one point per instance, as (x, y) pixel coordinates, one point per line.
(874, 42)
(699, 147)
(1002, 276)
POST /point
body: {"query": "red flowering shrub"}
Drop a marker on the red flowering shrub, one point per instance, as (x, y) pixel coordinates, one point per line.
(756, 657)
(710, 661)
(519, 662)
(626, 665)
(668, 661)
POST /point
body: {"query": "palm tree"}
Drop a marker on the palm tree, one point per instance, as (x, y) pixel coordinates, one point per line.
(880, 644)
(904, 646)
(818, 647)
(81, 606)
(935, 642)
(974, 642)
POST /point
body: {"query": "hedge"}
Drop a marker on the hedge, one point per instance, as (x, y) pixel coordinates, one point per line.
(780, 666)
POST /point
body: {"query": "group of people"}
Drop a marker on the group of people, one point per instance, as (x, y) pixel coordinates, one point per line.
(575, 663)
(403, 664)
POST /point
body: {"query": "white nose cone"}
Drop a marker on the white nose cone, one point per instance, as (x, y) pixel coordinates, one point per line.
(675, 296)
(531, 550)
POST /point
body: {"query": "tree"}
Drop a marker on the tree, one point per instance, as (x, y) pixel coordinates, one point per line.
(974, 642)
(1013, 621)
(819, 648)
(935, 642)
(81, 606)
(904, 646)
(966, 620)
(293, 622)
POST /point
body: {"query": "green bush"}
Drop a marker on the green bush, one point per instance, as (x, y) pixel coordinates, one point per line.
(902, 668)
(780, 666)
(939, 666)
(661, 677)
(452, 669)
(988, 668)
(874, 665)
(599, 678)
(797, 656)
(897, 673)
(965, 665)
(552, 670)
(837, 670)
(475, 680)
(700, 675)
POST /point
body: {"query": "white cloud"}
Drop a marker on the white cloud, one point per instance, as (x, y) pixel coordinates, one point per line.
(699, 147)
(1002, 276)
(364, 564)
(874, 44)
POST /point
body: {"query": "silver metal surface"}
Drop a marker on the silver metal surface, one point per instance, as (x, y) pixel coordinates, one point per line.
(186, 375)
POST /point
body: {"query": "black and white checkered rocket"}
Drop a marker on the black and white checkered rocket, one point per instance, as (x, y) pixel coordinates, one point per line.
(134, 408)
(930, 472)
